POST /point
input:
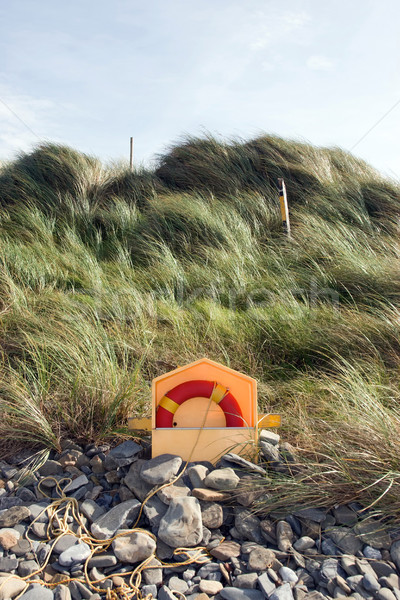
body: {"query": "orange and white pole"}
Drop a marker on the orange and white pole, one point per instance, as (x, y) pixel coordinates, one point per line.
(284, 206)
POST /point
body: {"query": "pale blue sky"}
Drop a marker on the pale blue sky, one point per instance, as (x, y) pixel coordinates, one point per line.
(91, 73)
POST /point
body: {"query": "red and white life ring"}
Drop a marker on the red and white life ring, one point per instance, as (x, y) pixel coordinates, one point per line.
(198, 388)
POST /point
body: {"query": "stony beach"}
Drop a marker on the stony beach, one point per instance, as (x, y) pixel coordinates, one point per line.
(99, 522)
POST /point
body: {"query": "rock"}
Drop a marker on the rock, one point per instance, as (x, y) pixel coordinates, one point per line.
(51, 467)
(8, 538)
(135, 483)
(288, 575)
(154, 509)
(153, 576)
(370, 583)
(14, 515)
(311, 514)
(233, 593)
(329, 569)
(210, 587)
(268, 531)
(61, 592)
(197, 475)
(247, 580)
(176, 584)
(161, 469)
(149, 590)
(392, 581)
(250, 488)
(11, 586)
(370, 552)
(181, 525)
(395, 553)
(382, 569)
(349, 565)
(226, 550)
(222, 479)
(210, 495)
(344, 515)
(247, 525)
(9, 502)
(125, 493)
(164, 593)
(385, 594)
(345, 539)
(231, 457)
(97, 465)
(284, 536)
(269, 436)
(133, 547)
(122, 455)
(212, 514)
(284, 592)
(303, 543)
(92, 510)
(176, 490)
(329, 549)
(75, 554)
(270, 453)
(64, 542)
(8, 564)
(27, 567)
(266, 585)
(38, 512)
(260, 559)
(76, 484)
(102, 561)
(122, 516)
(372, 533)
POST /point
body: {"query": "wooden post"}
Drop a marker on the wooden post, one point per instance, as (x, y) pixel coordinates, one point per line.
(284, 206)
(131, 155)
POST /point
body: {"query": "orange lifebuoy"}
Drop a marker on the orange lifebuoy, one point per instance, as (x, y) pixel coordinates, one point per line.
(198, 388)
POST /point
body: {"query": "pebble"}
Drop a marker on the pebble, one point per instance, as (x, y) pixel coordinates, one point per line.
(75, 554)
(14, 515)
(197, 475)
(11, 586)
(303, 543)
(266, 585)
(284, 592)
(8, 538)
(182, 525)
(161, 469)
(226, 550)
(222, 479)
(260, 559)
(133, 547)
(288, 575)
(210, 587)
(234, 593)
(284, 536)
(121, 516)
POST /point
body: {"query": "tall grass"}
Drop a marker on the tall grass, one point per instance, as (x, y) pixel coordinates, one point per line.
(109, 277)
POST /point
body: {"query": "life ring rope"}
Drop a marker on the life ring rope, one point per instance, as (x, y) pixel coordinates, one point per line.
(212, 390)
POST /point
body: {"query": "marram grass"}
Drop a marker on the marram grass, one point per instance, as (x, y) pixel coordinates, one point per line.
(110, 277)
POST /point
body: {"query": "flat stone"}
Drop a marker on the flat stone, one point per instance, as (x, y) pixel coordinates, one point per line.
(122, 516)
(348, 564)
(247, 524)
(233, 593)
(329, 569)
(124, 454)
(51, 467)
(246, 580)
(133, 547)
(212, 514)
(76, 484)
(260, 559)
(269, 436)
(210, 495)
(154, 509)
(231, 457)
(303, 543)
(385, 594)
(176, 490)
(197, 475)
(288, 575)
(268, 531)
(284, 592)
(176, 584)
(381, 568)
(102, 561)
(161, 469)
(135, 483)
(392, 581)
(27, 567)
(61, 592)
(284, 536)
(38, 512)
(222, 479)
(210, 587)
(311, 514)
(153, 576)
(249, 489)
(345, 539)
(164, 593)
(92, 510)
(270, 452)
(182, 525)
(8, 502)
(266, 585)
(37, 592)
(8, 564)
(226, 550)
(14, 515)
(370, 583)
(149, 590)
(75, 554)
(395, 553)
(344, 515)
(372, 533)
(64, 542)
(11, 586)
(370, 552)
(8, 538)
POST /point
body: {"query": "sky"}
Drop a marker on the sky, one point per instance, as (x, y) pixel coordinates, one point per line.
(92, 73)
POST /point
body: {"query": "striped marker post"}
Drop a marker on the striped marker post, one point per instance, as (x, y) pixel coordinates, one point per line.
(284, 206)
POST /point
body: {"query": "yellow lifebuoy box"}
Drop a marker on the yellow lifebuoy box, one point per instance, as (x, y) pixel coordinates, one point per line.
(203, 410)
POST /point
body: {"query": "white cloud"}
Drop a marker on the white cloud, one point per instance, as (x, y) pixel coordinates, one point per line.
(319, 63)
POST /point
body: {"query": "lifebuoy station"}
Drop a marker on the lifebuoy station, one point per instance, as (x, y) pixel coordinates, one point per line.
(203, 410)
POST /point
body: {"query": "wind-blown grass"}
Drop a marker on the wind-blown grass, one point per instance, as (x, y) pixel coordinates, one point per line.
(110, 277)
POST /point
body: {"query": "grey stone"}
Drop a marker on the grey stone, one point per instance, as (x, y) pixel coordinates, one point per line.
(122, 516)
(266, 585)
(135, 483)
(14, 515)
(197, 475)
(247, 525)
(381, 568)
(75, 554)
(176, 584)
(79, 591)
(312, 514)
(51, 467)
(329, 548)
(395, 553)
(372, 533)
(64, 542)
(148, 589)
(392, 581)
(329, 569)
(247, 580)
(102, 561)
(124, 454)
(231, 457)
(364, 567)
(10, 586)
(133, 547)
(222, 479)
(153, 576)
(164, 593)
(161, 469)
(348, 564)
(284, 592)
(249, 489)
(260, 559)
(37, 592)
(8, 564)
(212, 514)
(345, 515)
(9, 502)
(76, 484)
(303, 543)
(38, 511)
(345, 539)
(270, 452)
(385, 594)
(284, 536)
(182, 525)
(176, 490)
(370, 583)
(92, 510)
(210, 587)
(226, 550)
(207, 569)
(288, 575)
(234, 593)
(61, 592)
(370, 552)
(269, 436)
(27, 567)
(154, 509)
